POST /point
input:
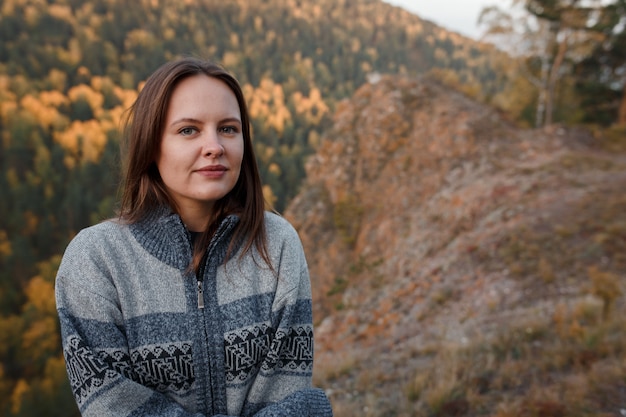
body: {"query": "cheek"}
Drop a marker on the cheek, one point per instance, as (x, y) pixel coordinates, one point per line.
(161, 162)
(240, 161)
(237, 155)
(167, 164)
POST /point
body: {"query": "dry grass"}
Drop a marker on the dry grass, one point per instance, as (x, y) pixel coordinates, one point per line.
(556, 367)
(331, 367)
(569, 363)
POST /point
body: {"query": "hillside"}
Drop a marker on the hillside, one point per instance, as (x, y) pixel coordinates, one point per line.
(462, 266)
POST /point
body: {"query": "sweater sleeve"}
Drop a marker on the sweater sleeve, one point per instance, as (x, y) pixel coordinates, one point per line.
(95, 347)
(283, 386)
(306, 403)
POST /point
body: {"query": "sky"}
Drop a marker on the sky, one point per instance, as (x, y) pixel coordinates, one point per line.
(456, 15)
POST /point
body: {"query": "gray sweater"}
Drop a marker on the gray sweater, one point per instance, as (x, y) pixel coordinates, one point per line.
(142, 336)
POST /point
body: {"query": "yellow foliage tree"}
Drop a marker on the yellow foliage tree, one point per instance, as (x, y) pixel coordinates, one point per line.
(269, 196)
(41, 338)
(31, 342)
(274, 168)
(5, 93)
(53, 98)
(7, 109)
(312, 107)
(61, 11)
(10, 330)
(44, 109)
(40, 296)
(85, 92)
(267, 102)
(55, 375)
(5, 388)
(127, 97)
(21, 389)
(5, 244)
(85, 142)
(57, 79)
(31, 221)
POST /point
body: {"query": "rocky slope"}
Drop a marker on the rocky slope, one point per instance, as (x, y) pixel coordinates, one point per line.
(429, 220)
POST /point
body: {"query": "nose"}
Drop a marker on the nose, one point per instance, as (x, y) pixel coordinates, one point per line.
(211, 145)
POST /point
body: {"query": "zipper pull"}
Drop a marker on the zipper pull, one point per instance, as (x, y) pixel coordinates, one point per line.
(200, 295)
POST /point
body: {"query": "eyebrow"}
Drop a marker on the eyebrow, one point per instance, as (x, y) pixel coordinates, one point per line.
(185, 120)
(196, 121)
(231, 120)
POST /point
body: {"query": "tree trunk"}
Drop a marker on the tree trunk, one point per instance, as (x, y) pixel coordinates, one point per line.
(554, 72)
(543, 92)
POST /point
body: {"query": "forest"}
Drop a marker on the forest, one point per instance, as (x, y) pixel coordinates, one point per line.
(69, 69)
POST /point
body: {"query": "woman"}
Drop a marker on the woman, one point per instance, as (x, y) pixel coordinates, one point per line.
(195, 302)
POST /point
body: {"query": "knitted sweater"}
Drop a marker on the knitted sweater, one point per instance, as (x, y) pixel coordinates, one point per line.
(142, 336)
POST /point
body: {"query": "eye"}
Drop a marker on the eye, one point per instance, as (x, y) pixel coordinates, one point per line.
(187, 131)
(229, 130)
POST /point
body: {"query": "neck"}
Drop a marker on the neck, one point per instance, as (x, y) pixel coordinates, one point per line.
(196, 219)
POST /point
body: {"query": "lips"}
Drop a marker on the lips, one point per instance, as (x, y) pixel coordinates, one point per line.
(212, 171)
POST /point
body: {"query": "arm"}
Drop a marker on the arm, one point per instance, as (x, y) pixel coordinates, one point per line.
(94, 343)
(283, 385)
(309, 402)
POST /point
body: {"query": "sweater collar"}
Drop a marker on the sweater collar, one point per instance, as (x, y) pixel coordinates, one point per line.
(163, 234)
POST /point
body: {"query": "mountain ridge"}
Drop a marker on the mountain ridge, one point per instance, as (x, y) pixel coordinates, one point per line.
(429, 220)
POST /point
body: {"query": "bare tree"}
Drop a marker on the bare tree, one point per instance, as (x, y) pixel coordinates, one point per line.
(546, 35)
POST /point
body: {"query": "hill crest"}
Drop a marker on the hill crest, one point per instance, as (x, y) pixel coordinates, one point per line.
(429, 220)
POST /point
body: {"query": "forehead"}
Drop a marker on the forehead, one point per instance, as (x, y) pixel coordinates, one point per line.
(202, 92)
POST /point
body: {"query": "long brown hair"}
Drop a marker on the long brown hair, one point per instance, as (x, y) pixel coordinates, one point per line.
(142, 187)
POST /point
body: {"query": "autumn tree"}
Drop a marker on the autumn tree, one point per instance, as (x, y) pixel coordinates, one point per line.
(33, 379)
(549, 36)
(601, 76)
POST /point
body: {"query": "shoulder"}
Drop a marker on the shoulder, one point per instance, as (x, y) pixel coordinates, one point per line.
(100, 234)
(91, 253)
(283, 242)
(96, 241)
(287, 257)
(279, 228)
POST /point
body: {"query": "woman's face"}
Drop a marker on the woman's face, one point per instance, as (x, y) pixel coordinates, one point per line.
(202, 146)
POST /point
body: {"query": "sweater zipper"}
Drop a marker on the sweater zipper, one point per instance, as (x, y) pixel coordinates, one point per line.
(210, 251)
(200, 280)
(200, 295)
(200, 287)
(201, 269)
